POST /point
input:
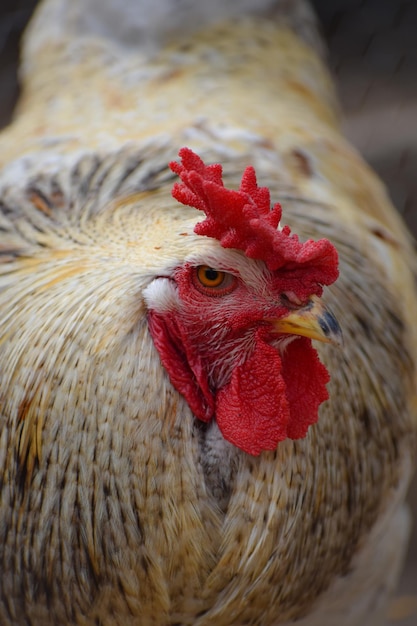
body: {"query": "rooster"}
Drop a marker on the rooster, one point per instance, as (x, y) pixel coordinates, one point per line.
(207, 403)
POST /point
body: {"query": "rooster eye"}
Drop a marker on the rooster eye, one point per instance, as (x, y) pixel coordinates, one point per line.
(209, 277)
(211, 281)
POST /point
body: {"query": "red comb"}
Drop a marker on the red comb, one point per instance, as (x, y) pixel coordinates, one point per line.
(244, 220)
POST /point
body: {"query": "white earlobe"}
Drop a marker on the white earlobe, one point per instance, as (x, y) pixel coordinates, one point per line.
(161, 295)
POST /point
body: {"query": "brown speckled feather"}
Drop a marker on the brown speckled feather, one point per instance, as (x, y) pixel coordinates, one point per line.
(117, 506)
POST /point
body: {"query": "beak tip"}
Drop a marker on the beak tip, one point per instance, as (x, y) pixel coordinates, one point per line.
(314, 321)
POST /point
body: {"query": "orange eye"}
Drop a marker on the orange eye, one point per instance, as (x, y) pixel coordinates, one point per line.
(209, 277)
(212, 281)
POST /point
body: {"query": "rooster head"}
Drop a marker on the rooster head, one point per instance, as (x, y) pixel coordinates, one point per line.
(234, 329)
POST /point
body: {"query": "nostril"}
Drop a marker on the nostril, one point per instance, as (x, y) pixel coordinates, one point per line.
(289, 297)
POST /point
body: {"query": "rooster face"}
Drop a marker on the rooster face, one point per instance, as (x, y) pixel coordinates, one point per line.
(238, 346)
(233, 327)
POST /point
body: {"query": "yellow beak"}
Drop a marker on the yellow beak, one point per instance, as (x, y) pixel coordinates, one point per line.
(313, 320)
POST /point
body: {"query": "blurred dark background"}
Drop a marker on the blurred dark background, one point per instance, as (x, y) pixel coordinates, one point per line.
(373, 56)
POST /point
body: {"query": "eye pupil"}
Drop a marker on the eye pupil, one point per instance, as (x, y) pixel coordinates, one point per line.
(213, 282)
(211, 274)
(210, 278)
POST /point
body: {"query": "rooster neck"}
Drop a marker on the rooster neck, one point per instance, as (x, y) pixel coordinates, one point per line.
(112, 95)
(153, 24)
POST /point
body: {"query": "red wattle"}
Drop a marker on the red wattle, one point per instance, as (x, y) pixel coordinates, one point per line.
(269, 398)
(252, 410)
(185, 371)
(305, 379)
